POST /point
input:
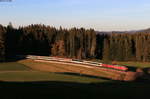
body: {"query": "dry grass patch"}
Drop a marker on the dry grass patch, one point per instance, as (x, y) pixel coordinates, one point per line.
(42, 67)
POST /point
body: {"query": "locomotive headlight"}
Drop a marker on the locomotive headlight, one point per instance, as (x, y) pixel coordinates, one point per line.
(100, 64)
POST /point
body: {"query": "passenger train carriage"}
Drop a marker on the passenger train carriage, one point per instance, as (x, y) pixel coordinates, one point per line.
(77, 61)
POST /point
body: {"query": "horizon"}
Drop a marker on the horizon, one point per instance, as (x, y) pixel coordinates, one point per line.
(75, 27)
(100, 15)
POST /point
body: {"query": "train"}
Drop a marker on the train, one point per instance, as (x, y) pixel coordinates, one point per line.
(78, 61)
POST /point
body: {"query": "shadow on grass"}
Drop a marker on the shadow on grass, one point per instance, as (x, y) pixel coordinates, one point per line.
(131, 68)
(70, 90)
(14, 58)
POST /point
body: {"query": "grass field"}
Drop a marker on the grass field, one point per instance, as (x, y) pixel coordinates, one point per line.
(18, 81)
(23, 76)
(14, 71)
(67, 68)
(136, 64)
(13, 66)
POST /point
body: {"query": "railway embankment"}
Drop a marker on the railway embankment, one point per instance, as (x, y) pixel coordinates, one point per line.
(58, 67)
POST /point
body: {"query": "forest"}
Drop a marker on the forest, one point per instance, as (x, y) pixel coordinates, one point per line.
(38, 39)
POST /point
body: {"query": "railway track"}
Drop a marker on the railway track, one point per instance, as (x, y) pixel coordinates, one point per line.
(81, 63)
(110, 73)
(92, 68)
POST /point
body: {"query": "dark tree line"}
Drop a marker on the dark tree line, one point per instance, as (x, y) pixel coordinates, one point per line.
(2, 43)
(46, 40)
(74, 43)
(127, 47)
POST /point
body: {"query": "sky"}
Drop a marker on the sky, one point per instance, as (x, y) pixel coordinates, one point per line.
(101, 15)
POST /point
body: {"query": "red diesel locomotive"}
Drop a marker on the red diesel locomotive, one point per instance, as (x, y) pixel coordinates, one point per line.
(117, 67)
